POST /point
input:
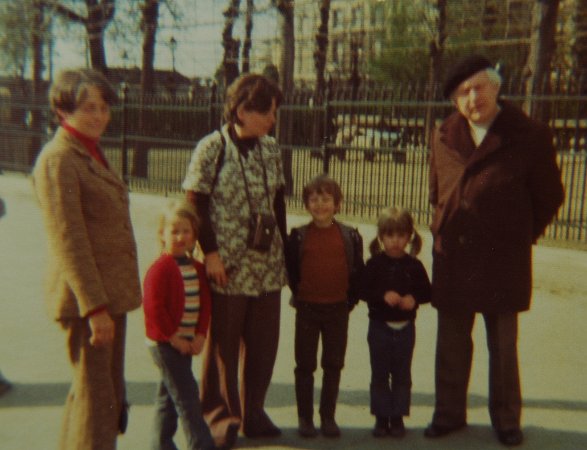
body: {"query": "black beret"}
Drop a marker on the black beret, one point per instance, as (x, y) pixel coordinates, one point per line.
(465, 68)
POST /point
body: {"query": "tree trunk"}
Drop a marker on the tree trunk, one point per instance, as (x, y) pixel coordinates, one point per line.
(99, 16)
(286, 63)
(542, 48)
(435, 70)
(321, 48)
(286, 73)
(149, 23)
(231, 45)
(37, 40)
(579, 48)
(246, 67)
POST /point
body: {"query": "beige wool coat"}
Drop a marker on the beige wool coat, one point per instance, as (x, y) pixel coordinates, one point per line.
(92, 250)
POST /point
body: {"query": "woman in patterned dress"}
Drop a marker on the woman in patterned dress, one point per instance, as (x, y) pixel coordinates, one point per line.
(236, 173)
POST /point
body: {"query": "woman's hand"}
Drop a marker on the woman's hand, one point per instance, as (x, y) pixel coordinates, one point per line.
(102, 328)
(198, 344)
(215, 268)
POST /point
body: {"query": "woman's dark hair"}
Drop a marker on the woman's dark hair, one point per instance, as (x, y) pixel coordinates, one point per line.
(70, 88)
(254, 92)
(396, 220)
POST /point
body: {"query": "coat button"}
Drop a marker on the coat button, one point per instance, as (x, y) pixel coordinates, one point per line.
(462, 239)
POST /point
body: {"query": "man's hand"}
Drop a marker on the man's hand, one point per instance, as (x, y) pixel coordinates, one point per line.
(215, 268)
(102, 328)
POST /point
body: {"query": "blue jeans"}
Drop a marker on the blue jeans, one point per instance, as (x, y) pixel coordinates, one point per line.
(177, 395)
(391, 361)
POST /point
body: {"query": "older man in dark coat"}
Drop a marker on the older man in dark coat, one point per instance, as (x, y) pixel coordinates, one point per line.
(494, 186)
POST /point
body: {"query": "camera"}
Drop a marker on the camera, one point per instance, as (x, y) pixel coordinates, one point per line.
(261, 230)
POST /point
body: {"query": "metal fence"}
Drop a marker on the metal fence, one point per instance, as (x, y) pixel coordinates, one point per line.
(373, 141)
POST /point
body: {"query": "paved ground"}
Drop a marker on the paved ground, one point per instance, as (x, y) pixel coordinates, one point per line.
(552, 348)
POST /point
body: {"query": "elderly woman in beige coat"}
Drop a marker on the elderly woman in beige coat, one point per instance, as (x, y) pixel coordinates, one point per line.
(93, 280)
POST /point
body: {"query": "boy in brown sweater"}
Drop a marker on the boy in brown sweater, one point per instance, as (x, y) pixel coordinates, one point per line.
(324, 261)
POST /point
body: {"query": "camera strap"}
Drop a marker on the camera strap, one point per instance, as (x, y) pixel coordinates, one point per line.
(240, 159)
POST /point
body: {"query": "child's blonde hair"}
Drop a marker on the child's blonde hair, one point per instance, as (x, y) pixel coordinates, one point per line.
(396, 220)
(182, 209)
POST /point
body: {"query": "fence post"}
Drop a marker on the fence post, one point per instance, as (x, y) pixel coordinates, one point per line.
(123, 144)
(326, 126)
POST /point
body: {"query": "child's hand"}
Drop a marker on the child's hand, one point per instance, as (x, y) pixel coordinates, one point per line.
(392, 298)
(198, 344)
(182, 345)
(407, 303)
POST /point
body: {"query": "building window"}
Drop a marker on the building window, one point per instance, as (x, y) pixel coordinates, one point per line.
(335, 18)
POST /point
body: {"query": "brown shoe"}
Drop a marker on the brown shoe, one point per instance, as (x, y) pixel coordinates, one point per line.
(306, 428)
(329, 428)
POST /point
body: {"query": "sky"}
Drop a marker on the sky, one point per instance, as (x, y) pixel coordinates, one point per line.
(197, 33)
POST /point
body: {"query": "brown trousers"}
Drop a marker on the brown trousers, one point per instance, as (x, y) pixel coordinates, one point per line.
(93, 405)
(246, 329)
(454, 351)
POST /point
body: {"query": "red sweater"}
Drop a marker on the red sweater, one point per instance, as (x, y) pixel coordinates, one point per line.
(164, 299)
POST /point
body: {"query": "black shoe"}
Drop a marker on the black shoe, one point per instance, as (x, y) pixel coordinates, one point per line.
(260, 426)
(397, 428)
(510, 438)
(306, 428)
(329, 428)
(434, 431)
(381, 427)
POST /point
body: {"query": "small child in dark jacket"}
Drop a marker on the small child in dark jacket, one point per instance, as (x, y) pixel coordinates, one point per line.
(394, 284)
(325, 261)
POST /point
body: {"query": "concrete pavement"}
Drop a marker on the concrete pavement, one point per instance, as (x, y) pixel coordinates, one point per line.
(552, 352)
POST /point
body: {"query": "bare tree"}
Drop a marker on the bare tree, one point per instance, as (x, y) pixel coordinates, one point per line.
(321, 47)
(149, 23)
(542, 48)
(579, 49)
(99, 14)
(248, 42)
(286, 63)
(231, 45)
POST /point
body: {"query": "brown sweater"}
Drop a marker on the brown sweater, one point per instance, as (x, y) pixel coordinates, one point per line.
(324, 272)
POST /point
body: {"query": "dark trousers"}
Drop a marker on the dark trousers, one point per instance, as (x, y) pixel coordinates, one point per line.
(244, 329)
(313, 320)
(454, 351)
(391, 361)
(177, 396)
(94, 402)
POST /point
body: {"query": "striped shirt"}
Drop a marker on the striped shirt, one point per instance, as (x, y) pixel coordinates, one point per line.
(191, 313)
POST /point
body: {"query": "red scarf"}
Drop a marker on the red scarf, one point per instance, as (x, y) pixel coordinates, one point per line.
(90, 143)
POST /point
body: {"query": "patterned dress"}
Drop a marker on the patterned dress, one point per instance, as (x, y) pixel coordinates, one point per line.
(251, 273)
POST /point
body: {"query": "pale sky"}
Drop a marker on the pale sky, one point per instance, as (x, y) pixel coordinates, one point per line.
(197, 33)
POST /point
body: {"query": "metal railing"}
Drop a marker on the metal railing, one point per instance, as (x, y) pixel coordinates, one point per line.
(372, 141)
